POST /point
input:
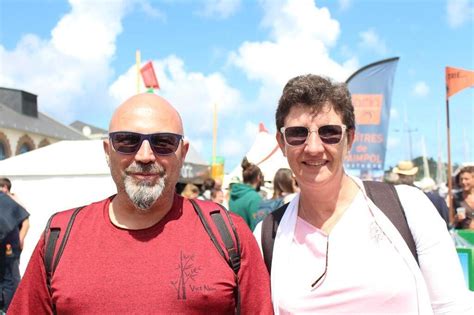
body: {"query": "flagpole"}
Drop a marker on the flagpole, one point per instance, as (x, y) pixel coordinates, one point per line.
(450, 182)
(138, 61)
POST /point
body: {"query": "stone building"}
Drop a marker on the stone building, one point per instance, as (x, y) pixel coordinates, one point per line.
(23, 128)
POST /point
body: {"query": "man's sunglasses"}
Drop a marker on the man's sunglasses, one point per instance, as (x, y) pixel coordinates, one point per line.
(297, 135)
(162, 143)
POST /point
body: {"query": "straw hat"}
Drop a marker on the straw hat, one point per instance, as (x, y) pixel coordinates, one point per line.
(405, 168)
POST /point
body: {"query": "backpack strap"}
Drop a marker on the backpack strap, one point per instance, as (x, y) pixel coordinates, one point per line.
(232, 244)
(385, 196)
(269, 228)
(52, 234)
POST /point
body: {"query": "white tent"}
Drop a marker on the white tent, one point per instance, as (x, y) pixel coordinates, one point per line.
(265, 153)
(65, 175)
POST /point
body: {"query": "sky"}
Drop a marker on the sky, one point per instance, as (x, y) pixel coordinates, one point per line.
(78, 56)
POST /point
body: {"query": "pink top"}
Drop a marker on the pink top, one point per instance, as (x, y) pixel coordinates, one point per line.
(355, 244)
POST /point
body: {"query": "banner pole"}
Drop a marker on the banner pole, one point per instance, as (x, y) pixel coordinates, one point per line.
(450, 182)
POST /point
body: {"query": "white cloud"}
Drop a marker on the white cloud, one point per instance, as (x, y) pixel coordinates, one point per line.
(301, 35)
(370, 40)
(421, 89)
(69, 70)
(193, 94)
(219, 9)
(149, 10)
(459, 12)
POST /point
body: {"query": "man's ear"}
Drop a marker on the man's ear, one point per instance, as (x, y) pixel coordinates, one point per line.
(106, 146)
(281, 142)
(184, 150)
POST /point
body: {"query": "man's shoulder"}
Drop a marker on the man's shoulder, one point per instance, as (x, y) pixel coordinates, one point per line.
(85, 209)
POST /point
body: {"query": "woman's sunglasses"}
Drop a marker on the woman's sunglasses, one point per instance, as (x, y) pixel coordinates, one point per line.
(162, 143)
(297, 135)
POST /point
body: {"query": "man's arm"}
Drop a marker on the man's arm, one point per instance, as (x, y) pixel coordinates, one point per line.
(25, 225)
(32, 295)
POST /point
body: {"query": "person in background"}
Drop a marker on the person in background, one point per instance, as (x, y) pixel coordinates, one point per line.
(335, 251)
(6, 187)
(284, 185)
(217, 196)
(14, 225)
(145, 249)
(406, 172)
(190, 191)
(244, 197)
(206, 188)
(218, 183)
(284, 190)
(463, 200)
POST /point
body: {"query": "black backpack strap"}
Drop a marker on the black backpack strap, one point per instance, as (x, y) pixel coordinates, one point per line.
(269, 229)
(232, 248)
(385, 196)
(52, 235)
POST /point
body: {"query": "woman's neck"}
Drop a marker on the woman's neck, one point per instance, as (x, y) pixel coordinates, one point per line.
(324, 208)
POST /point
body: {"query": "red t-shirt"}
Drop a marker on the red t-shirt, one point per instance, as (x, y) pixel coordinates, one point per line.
(171, 267)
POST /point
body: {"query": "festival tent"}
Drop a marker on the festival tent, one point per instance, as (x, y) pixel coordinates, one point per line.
(69, 174)
(265, 153)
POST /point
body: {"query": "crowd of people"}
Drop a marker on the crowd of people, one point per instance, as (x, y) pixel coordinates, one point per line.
(320, 244)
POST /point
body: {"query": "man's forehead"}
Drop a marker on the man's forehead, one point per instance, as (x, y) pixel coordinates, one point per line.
(134, 116)
(140, 110)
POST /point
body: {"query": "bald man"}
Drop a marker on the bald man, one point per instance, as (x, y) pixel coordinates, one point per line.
(144, 250)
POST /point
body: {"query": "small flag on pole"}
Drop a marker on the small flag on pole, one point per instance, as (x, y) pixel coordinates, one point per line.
(457, 80)
(149, 76)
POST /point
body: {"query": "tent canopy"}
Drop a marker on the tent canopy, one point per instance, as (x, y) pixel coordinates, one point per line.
(265, 153)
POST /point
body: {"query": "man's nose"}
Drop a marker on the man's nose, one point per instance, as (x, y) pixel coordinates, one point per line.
(145, 154)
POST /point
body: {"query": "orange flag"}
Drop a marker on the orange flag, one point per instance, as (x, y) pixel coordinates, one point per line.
(149, 76)
(457, 80)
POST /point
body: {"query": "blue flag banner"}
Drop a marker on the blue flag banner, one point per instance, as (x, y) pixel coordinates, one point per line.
(371, 90)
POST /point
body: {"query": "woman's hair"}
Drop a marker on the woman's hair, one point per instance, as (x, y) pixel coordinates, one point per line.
(250, 172)
(283, 182)
(314, 93)
(208, 184)
(465, 169)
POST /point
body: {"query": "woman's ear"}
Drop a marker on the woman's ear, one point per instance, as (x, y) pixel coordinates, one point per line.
(350, 139)
(281, 142)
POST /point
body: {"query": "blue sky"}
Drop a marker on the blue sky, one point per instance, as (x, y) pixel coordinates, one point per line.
(79, 57)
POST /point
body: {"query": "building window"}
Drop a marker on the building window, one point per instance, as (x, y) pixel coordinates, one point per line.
(44, 143)
(24, 144)
(5, 151)
(24, 148)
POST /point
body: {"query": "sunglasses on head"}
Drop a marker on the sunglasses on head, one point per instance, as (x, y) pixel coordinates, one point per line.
(162, 143)
(297, 135)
